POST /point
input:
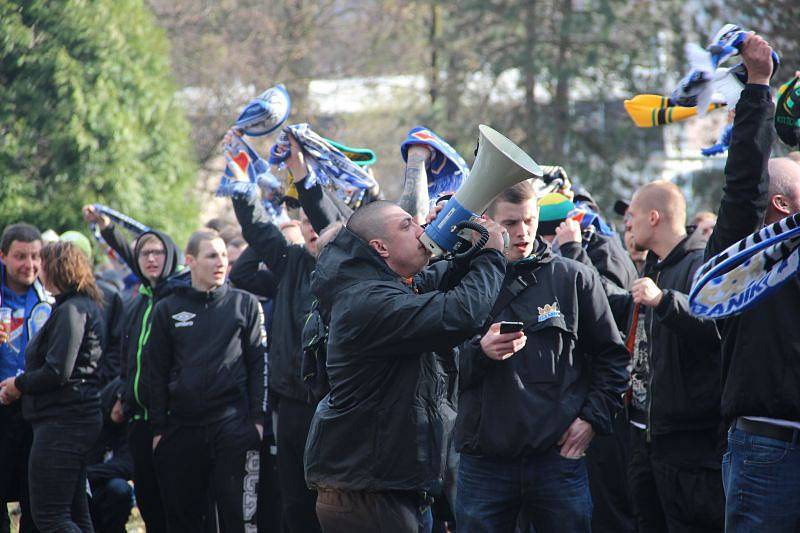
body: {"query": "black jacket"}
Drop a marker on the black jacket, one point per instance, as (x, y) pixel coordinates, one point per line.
(138, 315)
(761, 346)
(288, 282)
(573, 364)
(61, 361)
(205, 357)
(113, 320)
(113, 442)
(382, 425)
(606, 254)
(684, 387)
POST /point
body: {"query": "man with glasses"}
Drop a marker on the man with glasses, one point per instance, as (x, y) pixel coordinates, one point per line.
(153, 258)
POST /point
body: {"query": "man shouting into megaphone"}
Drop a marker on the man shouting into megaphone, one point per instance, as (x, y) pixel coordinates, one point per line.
(375, 446)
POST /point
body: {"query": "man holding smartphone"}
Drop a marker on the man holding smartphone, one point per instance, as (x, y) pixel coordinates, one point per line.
(557, 378)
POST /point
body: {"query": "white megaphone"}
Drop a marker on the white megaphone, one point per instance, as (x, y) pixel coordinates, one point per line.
(499, 164)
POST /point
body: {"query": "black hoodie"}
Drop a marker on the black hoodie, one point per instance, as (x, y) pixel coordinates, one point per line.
(138, 314)
(573, 364)
(381, 427)
(684, 392)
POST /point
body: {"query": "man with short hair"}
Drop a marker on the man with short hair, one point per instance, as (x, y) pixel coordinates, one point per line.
(674, 392)
(206, 384)
(388, 315)
(760, 346)
(528, 410)
(30, 306)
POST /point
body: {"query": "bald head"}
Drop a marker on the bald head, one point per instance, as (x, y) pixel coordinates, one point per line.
(664, 197)
(784, 188)
(369, 221)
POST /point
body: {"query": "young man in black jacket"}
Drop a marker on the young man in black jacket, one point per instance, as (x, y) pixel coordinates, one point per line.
(289, 283)
(527, 413)
(388, 315)
(761, 346)
(675, 373)
(153, 259)
(205, 360)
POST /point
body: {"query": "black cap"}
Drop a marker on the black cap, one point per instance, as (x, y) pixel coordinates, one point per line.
(621, 207)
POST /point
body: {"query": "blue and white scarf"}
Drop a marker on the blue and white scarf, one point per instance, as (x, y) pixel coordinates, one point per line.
(327, 164)
(747, 271)
(447, 171)
(265, 113)
(722, 144)
(707, 80)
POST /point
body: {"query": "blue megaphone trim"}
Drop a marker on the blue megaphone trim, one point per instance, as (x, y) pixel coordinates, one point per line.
(442, 230)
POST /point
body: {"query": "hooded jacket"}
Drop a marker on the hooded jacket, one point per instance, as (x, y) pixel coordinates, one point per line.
(381, 427)
(205, 358)
(61, 361)
(138, 314)
(761, 346)
(684, 357)
(573, 364)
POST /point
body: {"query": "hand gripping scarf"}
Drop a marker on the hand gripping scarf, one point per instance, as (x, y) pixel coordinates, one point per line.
(328, 165)
(707, 79)
(447, 171)
(747, 271)
(122, 220)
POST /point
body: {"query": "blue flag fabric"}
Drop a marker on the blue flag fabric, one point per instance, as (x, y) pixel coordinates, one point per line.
(257, 170)
(448, 169)
(722, 144)
(328, 165)
(747, 271)
(587, 218)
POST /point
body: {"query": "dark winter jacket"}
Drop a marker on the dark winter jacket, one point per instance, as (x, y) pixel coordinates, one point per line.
(573, 364)
(382, 425)
(684, 357)
(205, 357)
(290, 268)
(61, 378)
(606, 254)
(761, 346)
(110, 457)
(113, 319)
(138, 314)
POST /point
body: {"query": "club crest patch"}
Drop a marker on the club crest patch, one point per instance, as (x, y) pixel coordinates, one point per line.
(549, 311)
(183, 319)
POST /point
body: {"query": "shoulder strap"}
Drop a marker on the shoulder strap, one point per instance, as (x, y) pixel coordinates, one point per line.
(509, 292)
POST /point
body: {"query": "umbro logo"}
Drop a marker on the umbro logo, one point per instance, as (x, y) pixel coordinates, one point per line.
(183, 319)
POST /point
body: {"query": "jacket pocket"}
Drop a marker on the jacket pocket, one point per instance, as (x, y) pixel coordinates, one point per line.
(548, 349)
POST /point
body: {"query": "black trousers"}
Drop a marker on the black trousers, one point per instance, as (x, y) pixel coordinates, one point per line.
(16, 438)
(221, 457)
(57, 472)
(269, 491)
(606, 461)
(148, 494)
(672, 497)
(372, 512)
(110, 504)
(294, 420)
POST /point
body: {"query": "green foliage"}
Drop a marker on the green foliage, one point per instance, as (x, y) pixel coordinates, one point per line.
(88, 114)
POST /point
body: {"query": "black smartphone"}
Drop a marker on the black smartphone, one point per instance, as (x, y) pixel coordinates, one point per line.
(511, 327)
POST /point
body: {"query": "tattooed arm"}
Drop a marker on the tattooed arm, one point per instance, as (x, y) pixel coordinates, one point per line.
(415, 188)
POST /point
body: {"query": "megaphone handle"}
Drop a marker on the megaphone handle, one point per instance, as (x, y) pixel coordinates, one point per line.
(476, 247)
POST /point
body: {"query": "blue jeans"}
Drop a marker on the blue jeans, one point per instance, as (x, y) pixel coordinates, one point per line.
(550, 491)
(761, 477)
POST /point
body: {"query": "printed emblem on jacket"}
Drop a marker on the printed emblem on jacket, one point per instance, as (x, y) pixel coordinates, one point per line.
(549, 311)
(183, 319)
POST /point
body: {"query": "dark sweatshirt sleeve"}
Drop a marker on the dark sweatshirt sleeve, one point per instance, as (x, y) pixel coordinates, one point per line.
(111, 362)
(320, 207)
(66, 336)
(744, 196)
(247, 275)
(412, 323)
(261, 234)
(674, 312)
(598, 337)
(255, 352)
(157, 360)
(473, 364)
(117, 241)
(610, 261)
